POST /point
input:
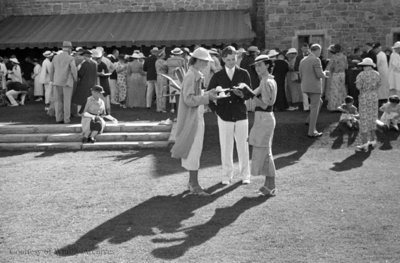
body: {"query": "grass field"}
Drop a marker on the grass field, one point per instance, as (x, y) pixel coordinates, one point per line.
(333, 204)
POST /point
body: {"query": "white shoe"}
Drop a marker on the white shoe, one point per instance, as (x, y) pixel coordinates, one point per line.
(14, 105)
(39, 99)
(372, 143)
(395, 126)
(363, 147)
(226, 182)
(246, 181)
(292, 108)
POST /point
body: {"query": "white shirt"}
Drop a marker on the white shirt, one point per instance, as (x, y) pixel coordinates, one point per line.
(230, 72)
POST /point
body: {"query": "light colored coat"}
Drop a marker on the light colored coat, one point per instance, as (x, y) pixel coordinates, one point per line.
(383, 69)
(394, 71)
(188, 116)
(45, 72)
(311, 74)
(64, 71)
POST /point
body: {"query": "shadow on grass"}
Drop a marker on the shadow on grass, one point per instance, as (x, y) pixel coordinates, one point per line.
(164, 213)
(200, 234)
(353, 161)
(339, 132)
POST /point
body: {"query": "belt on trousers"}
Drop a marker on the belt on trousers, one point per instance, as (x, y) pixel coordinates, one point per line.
(268, 109)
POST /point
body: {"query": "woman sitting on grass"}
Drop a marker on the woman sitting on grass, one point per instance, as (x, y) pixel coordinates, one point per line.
(92, 121)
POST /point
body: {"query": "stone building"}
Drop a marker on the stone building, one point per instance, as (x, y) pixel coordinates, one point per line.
(275, 23)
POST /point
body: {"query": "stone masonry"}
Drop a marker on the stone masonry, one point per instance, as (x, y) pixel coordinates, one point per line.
(347, 22)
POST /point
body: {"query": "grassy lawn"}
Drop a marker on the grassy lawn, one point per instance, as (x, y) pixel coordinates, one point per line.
(333, 204)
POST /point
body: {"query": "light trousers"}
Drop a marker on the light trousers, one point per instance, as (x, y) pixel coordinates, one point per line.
(113, 88)
(228, 133)
(13, 94)
(315, 106)
(47, 93)
(161, 91)
(306, 104)
(63, 96)
(151, 88)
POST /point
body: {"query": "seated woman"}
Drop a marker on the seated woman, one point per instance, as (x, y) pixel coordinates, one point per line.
(92, 121)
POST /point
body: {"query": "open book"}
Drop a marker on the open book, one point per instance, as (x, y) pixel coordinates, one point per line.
(244, 86)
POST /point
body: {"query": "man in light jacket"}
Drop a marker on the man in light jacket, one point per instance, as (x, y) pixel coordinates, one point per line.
(63, 75)
(311, 75)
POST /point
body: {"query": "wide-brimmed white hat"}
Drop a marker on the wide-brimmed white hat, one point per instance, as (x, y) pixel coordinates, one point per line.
(136, 55)
(291, 50)
(272, 53)
(396, 45)
(201, 53)
(14, 60)
(241, 50)
(96, 53)
(177, 51)
(47, 53)
(367, 62)
(261, 58)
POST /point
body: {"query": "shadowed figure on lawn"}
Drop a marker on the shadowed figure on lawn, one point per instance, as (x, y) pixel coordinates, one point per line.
(164, 213)
(353, 161)
(200, 234)
(339, 132)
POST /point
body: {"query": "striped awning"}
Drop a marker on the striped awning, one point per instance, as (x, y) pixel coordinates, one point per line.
(127, 29)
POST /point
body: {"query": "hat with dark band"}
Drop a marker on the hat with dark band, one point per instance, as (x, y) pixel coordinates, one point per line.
(97, 88)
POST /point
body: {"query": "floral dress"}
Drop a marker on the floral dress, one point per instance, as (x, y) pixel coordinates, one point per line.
(368, 83)
(336, 90)
(121, 81)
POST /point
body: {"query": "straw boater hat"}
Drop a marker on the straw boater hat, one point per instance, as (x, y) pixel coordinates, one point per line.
(213, 51)
(154, 50)
(291, 51)
(47, 53)
(261, 58)
(177, 51)
(253, 49)
(396, 45)
(96, 54)
(367, 62)
(272, 53)
(136, 55)
(14, 60)
(201, 53)
(241, 50)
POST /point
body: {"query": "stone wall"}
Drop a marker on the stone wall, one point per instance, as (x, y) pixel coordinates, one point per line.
(51, 7)
(348, 22)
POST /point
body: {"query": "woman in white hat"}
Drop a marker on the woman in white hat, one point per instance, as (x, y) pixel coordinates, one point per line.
(262, 132)
(136, 83)
(175, 62)
(45, 78)
(15, 73)
(394, 70)
(190, 122)
(368, 82)
(294, 94)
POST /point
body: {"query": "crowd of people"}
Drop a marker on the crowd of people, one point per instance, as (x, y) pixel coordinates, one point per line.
(231, 82)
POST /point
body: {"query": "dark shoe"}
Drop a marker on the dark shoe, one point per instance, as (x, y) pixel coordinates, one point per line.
(84, 140)
(315, 135)
(197, 190)
(59, 122)
(91, 140)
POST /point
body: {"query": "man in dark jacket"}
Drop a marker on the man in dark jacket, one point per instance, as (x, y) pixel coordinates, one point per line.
(232, 115)
(149, 66)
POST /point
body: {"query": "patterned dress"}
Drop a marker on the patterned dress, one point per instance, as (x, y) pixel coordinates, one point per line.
(368, 83)
(121, 81)
(336, 89)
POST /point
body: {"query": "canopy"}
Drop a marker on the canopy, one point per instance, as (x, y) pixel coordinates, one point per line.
(127, 29)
